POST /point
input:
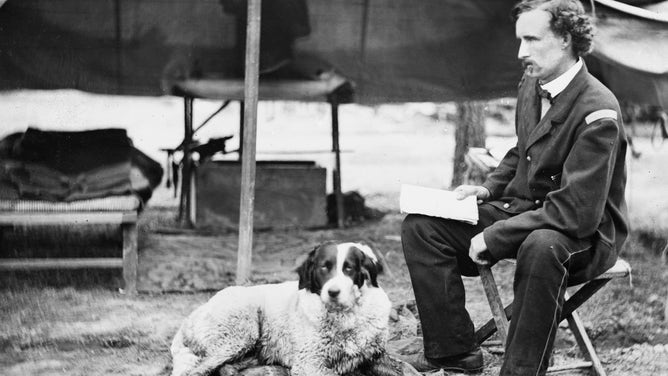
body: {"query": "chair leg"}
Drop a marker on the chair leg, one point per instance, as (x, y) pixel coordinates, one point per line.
(130, 258)
(488, 329)
(501, 316)
(484, 332)
(582, 295)
(577, 328)
(498, 312)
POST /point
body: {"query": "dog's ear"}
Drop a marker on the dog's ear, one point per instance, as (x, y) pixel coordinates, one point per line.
(305, 271)
(372, 268)
(370, 264)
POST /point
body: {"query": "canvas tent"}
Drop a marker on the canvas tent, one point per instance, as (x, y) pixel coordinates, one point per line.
(394, 51)
(631, 54)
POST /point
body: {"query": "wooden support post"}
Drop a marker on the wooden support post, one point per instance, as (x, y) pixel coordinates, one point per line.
(251, 81)
(336, 172)
(498, 312)
(130, 258)
(185, 202)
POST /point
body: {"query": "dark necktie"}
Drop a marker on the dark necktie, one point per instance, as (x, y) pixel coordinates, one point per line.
(544, 94)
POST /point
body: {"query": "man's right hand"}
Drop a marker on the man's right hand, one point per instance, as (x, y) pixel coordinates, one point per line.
(480, 192)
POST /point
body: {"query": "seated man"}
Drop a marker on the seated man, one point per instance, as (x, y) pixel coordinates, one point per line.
(555, 203)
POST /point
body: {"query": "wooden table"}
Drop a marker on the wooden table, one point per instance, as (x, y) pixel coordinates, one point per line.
(329, 87)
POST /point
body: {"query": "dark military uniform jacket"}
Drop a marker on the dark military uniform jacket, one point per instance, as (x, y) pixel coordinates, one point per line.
(566, 173)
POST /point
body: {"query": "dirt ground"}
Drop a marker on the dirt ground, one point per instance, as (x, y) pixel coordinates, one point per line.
(77, 322)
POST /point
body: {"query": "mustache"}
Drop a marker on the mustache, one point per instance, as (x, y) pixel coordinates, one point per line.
(526, 63)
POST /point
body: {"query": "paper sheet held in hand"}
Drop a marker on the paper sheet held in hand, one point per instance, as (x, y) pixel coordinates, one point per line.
(437, 203)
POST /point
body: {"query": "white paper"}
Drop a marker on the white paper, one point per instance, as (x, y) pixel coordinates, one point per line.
(437, 203)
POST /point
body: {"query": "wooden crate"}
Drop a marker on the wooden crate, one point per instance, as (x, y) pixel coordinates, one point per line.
(288, 194)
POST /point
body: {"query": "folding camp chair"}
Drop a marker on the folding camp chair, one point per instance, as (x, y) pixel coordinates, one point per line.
(501, 315)
(480, 162)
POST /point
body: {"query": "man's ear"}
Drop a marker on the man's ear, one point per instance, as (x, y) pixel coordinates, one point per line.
(566, 41)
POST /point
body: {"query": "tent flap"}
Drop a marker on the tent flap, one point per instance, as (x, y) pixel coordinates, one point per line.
(393, 50)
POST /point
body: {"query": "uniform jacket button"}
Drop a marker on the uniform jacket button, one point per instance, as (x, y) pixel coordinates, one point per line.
(537, 202)
(529, 158)
(506, 205)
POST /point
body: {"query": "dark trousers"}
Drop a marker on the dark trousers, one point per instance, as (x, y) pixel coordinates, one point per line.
(436, 252)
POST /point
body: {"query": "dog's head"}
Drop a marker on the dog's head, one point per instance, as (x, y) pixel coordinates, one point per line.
(337, 271)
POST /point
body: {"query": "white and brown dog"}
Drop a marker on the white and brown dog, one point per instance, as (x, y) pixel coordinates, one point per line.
(333, 321)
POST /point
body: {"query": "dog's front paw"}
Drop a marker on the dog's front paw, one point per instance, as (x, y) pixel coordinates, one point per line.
(265, 371)
(306, 370)
(408, 370)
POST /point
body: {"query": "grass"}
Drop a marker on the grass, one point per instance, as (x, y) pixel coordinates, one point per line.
(76, 322)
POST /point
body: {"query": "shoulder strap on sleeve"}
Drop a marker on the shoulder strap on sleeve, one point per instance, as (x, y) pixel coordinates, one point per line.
(601, 114)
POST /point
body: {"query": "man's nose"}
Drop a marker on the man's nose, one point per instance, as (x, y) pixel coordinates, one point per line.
(523, 51)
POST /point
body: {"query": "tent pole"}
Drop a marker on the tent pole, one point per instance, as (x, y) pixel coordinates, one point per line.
(251, 81)
(241, 129)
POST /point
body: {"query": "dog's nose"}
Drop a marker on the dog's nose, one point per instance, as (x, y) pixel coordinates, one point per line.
(334, 292)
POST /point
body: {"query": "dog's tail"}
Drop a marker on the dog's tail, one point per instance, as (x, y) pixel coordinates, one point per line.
(183, 359)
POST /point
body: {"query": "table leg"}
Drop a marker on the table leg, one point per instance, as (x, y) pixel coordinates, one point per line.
(185, 203)
(336, 172)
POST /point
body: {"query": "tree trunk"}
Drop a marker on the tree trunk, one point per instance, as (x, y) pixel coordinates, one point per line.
(470, 132)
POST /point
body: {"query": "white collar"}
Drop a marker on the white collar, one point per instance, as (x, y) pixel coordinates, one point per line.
(558, 85)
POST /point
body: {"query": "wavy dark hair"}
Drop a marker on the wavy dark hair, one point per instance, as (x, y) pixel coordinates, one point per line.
(568, 17)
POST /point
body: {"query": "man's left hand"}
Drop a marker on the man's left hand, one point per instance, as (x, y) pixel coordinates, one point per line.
(478, 250)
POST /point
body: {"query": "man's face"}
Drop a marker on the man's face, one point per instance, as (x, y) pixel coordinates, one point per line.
(544, 54)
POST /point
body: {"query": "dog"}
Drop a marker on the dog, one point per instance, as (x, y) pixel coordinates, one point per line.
(333, 321)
